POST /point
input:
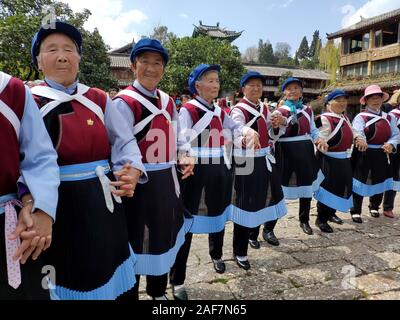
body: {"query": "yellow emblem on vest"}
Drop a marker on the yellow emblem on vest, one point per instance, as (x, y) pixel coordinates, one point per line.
(90, 122)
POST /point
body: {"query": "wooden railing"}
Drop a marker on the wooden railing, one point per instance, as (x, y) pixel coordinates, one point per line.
(387, 52)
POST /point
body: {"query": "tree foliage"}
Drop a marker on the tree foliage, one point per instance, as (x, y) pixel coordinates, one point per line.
(186, 53)
(329, 59)
(161, 34)
(20, 20)
(266, 52)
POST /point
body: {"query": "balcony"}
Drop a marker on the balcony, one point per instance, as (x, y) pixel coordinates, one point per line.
(354, 58)
(387, 52)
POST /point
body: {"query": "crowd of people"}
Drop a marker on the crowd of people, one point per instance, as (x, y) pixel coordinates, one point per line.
(108, 190)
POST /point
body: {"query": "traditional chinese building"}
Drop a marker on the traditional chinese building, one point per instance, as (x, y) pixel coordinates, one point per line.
(370, 54)
(215, 32)
(120, 65)
(313, 80)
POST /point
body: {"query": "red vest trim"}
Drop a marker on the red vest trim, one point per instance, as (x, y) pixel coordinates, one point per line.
(82, 135)
(215, 137)
(158, 144)
(13, 96)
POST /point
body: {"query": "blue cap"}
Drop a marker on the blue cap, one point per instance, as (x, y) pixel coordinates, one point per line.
(336, 94)
(250, 75)
(198, 72)
(60, 27)
(291, 80)
(146, 45)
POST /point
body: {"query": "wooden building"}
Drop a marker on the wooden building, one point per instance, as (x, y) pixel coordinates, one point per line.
(370, 54)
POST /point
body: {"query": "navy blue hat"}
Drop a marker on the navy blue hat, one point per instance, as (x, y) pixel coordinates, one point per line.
(250, 75)
(60, 27)
(336, 94)
(153, 45)
(291, 80)
(198, 72)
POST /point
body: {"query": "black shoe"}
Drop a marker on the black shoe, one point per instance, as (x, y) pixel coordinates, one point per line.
(255, 244)
(180, 294)
(336, 219)
(270, 237)
(374, 213)
(306, 228)
(324, 227)
(243, 264)
(219, 266)
(356, 218)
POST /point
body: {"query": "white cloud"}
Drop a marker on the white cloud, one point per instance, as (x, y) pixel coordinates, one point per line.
(116, 26)
(184, 16)
(370, 9)
(287, 3)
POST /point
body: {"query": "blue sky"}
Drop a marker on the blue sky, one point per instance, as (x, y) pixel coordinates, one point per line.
(275, 20)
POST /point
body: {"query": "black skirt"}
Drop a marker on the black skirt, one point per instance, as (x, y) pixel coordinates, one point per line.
(372, 172)
(258, 196)
(90, 250)
(395, 159)
(337, 188)
(299, 169)
(207, 195)
(157, 223)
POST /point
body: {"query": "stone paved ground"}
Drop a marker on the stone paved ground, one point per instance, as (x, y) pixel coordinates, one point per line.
(357, 262)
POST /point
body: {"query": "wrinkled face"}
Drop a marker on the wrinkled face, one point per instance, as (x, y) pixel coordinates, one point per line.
(375, 101)
(253, 90)
(59, 59)
(208, 86)
(148, 68)
(293, 91)
(338, 105)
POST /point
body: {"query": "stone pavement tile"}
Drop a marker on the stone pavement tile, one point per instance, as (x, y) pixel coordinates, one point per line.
(319, 273)
(272, 261)
(269, 286)
(332, 290)
(369, 262)
(391, 244)
(382, 231)
(379, 282)
(392, 295)
(392, 259)
(318, 255)
(206, 291)
(344, 237)
(205, 273)
(289, 245)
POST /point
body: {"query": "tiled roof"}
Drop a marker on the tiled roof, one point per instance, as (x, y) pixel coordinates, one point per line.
(215, 32)
(119, 61)
(365, 23)
(298, 73)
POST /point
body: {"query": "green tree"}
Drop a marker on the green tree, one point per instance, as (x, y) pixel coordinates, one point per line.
(303, 51)
(186, 53)
(329, 59)
(316, 42)
(266, 52)
(20, 19)
(161, 34)
(95, 65)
